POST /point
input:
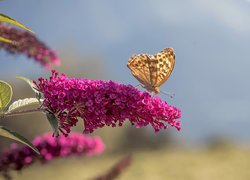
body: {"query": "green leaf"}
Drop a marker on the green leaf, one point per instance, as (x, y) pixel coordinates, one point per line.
(5, 94)
(30, 82)
(38, 97)
(32, 85)
(7, 19)
(53, 122)
(21, 103)
(14, 135)
(5, 40)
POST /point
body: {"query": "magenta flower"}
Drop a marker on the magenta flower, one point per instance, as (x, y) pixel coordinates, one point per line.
(28, 44)
(17, 157)
(101, 103)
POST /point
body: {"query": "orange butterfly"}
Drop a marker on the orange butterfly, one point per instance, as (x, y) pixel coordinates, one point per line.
(152, 70)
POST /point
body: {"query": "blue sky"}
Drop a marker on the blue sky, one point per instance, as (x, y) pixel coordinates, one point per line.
(210, 38)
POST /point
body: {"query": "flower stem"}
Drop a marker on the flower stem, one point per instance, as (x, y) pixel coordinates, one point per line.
(17, 113)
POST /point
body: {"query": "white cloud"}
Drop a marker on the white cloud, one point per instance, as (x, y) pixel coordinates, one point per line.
(231, 13)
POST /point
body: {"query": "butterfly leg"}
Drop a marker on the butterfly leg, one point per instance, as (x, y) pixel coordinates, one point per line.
(152, 96)
(140, 85)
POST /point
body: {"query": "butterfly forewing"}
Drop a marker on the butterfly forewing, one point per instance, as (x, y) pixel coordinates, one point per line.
(165, 66)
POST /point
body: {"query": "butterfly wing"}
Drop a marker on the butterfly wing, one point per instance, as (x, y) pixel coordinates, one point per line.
(162, 66)
(153, 69)
(138, 64)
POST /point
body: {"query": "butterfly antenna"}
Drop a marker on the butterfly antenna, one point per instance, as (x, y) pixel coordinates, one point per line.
(168, 94)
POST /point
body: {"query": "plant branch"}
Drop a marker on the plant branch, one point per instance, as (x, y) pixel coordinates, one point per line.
(116, 170)
(17, 113)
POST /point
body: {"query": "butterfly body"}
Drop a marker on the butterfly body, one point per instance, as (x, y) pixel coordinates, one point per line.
(152, 70)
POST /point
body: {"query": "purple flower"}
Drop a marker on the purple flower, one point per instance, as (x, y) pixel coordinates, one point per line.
(101, 103)
(28, 44)
(17, 157)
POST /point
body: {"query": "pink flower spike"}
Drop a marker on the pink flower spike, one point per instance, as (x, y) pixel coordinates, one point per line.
(17, 157)
(101, 103)
(29, 45)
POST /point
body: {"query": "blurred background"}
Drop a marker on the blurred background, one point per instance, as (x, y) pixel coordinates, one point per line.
(94, 39)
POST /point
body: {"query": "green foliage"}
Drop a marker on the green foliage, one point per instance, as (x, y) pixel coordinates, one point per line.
(5, 98)
(5, 40)
(5, 94)
(7, 19)
(14, 135)
(53, 122)
(32, 85)
(22, 103)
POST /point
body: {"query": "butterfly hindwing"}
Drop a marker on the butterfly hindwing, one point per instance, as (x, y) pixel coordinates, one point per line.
(138, 64)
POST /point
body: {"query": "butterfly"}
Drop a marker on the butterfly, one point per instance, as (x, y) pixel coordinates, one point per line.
(152, 70)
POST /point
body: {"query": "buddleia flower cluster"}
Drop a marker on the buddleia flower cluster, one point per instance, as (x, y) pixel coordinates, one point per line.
(16, 157)
(102, 103)
(28, 44)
